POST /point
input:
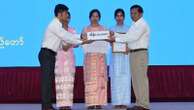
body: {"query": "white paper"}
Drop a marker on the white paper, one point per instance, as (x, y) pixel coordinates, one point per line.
(98, 35)
(119, 47)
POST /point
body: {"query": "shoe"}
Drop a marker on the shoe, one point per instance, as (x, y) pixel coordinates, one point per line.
(120, 107)
(96, 107)
(65, 108)
(137, 108)
(50, 108)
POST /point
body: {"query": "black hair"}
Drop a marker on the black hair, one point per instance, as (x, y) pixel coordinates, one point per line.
(69, 14)
(95, 11)
(140, 9)
(119, 10)
(60, 8)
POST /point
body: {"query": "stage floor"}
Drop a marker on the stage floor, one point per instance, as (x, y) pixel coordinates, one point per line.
(81, 106)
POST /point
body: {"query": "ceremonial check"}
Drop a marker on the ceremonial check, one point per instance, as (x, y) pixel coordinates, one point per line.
(98, 35)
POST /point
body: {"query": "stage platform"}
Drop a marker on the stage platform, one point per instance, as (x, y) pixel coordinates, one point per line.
(81, 106)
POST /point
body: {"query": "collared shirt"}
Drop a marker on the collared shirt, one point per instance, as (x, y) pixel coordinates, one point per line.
(56, 34)
(137, 35)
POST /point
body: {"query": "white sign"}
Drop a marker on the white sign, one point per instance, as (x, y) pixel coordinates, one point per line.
(98, 35)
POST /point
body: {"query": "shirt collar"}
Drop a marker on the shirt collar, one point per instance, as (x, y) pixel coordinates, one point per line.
(138, 21)
(57, 21)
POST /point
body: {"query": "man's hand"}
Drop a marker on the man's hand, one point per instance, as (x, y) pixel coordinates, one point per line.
(66, 47)
(127, 50)
(85, 39)
(84, 36)
(112, 33)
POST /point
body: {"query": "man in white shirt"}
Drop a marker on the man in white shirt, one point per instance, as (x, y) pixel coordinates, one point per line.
(137, 38)
(55, 35)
